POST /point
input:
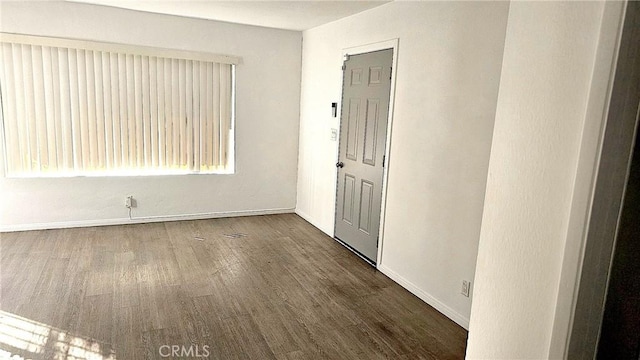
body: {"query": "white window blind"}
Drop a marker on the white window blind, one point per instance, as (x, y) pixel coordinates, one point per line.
(80, 110)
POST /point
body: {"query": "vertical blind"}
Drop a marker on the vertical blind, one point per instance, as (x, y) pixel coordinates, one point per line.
(81, 111)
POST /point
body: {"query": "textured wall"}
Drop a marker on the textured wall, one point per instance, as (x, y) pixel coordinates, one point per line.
(547, 70)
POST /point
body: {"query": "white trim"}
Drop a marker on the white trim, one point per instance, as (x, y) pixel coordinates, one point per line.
(140, 220)
(382, 45)
(312, 221)
(613, 16)
(114, 173)
(118, 48)
(426, 297)
(3, 145)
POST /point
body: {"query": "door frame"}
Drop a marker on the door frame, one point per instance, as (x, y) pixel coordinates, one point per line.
(610, 179)
(363, 49)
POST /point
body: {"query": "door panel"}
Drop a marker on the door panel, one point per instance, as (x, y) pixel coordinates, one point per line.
(363, 132)
(348, 200)
(370, 131)
(366, 201)
(352, 128)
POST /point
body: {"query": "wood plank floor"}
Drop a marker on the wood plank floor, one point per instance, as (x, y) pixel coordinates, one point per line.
(262, 287)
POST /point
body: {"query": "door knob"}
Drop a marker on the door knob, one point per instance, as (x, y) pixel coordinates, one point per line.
(340, 164)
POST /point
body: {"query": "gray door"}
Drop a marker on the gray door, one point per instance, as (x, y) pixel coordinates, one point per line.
(363, 132)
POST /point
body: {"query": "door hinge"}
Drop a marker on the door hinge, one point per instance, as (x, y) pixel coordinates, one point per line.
(344, 67)
(378, 241)
(390, 73)
(384, 157)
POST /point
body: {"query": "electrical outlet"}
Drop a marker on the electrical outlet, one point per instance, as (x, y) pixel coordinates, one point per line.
(466, 288)
(128, 202)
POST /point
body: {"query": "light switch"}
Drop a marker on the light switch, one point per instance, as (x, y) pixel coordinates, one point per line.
(334, 134)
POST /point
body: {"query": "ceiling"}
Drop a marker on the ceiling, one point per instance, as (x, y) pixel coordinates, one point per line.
(290, 15)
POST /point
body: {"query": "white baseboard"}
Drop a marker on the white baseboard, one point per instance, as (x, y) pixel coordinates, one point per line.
(135, 220)
(426, 297)
(313, 222)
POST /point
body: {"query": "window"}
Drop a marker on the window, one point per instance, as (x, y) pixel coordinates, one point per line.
(73, 108)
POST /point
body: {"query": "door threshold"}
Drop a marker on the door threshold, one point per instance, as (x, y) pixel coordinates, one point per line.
(367, 260)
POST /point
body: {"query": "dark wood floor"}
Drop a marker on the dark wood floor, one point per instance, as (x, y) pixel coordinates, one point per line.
(283, 291)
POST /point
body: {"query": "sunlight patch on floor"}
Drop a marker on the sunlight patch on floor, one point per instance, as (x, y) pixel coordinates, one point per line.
(20, 337)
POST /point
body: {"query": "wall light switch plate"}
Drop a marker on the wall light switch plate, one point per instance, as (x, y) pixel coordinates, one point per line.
(334, 134)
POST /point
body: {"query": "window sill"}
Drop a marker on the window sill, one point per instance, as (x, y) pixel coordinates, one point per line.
(116, 174)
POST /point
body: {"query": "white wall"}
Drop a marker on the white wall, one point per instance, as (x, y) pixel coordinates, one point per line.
(539, 138)
(448, 72)
(268, 93)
